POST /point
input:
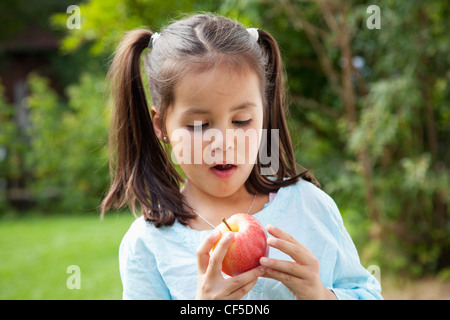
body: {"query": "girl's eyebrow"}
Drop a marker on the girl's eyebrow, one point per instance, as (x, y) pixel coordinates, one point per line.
(194, 110)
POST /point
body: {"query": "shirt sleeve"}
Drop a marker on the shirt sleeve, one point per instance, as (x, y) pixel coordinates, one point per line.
(351, 279)
(141, 279)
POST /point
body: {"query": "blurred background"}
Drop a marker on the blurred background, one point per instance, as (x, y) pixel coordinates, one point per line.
(369, 116)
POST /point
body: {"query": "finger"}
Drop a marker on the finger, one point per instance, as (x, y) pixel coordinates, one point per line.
(296, 252)
(287, 267)
(203, 250)
(246, 277)
(241, 284)
(216, 257)
(278, 233)
(242, 291)
(285, 278)
(284, 242)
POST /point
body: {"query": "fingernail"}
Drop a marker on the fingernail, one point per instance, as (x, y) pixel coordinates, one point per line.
(262, 269)
(264, 260)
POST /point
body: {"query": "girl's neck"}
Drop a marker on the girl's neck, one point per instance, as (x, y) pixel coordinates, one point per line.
(215, 208)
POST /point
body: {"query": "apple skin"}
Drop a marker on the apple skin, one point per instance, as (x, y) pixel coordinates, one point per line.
(248, 246)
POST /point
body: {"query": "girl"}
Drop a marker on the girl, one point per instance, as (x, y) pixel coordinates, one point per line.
(209, 73)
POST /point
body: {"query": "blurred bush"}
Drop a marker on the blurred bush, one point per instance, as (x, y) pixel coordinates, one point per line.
(64, 151)
(68, 151)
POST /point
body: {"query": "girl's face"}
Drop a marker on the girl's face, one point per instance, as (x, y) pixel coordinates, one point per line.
(214, 127)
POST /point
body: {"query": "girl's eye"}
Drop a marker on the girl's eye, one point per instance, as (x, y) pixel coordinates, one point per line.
(242, 123)
(203, 126)
(197, 127)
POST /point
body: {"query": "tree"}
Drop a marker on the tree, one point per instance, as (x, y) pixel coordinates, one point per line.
(385, 91)
(68, 153)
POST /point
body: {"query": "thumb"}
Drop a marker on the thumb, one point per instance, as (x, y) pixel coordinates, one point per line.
(203, 250)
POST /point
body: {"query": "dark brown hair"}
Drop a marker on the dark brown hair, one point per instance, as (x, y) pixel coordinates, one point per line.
(141, 172)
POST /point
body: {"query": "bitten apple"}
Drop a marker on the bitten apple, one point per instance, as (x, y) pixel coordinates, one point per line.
(248, 246)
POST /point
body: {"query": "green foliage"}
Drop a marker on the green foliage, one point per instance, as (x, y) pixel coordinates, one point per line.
(68, 153)
(12, 147)
(104, 22)
(9, 138)
(400, 135)
(402, 126)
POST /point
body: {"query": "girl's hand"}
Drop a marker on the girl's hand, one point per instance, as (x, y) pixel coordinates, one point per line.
(211, 283)
(301, 276)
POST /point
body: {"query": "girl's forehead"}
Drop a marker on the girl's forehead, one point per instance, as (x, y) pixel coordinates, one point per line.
(219, 87)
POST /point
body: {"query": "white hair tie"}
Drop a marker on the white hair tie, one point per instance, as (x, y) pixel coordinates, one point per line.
(153, 39)
(254, 33)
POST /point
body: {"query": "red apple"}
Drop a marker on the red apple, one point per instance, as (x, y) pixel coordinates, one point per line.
(248, 246)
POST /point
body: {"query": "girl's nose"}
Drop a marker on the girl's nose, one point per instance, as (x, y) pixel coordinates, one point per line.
(220, 142)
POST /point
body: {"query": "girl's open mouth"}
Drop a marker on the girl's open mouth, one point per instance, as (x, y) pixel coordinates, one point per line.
(224, 170)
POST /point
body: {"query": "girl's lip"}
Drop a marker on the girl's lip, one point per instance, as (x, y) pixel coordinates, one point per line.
(224, 173)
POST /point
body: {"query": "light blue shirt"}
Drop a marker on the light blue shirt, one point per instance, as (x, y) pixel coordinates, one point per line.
(161, 263)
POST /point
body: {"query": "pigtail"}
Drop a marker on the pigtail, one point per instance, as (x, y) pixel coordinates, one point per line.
(141, 173)
(275, 95)
(275, 119)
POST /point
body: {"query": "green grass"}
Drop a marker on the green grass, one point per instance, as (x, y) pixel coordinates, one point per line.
(35, 252)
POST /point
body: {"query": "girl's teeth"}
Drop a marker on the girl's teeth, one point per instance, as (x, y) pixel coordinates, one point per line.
(223, 166)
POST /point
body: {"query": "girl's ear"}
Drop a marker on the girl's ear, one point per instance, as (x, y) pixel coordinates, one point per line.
(156, 122)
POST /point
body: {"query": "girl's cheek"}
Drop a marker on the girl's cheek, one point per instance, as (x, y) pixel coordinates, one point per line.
(187, 148)
(182, 147)
(247, 146)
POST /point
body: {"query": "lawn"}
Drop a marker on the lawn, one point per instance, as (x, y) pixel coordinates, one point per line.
(35, 252)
